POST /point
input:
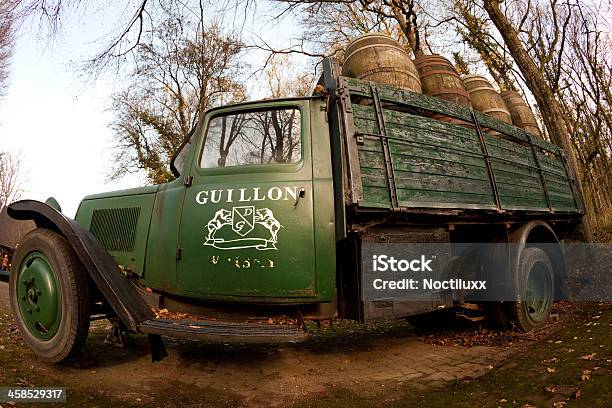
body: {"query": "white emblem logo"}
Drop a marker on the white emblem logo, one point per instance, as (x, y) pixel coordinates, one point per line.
(243, 220)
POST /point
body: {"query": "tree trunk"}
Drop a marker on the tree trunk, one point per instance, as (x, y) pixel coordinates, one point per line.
(549, 106)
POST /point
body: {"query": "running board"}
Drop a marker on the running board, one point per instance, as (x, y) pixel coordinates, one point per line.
(224, 332)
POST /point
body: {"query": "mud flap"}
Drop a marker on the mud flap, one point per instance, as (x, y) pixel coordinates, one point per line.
(158, 349)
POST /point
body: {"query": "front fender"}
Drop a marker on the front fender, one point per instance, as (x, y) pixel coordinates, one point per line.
(119, 293)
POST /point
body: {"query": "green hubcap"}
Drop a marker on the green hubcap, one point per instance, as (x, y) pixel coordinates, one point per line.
(39, 296)
(539, 295)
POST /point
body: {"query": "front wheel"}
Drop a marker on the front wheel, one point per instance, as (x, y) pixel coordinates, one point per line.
(49, 296)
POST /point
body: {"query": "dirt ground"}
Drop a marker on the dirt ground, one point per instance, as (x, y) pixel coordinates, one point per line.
(349, 357)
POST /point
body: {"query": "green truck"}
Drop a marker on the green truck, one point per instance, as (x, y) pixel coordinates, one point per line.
(263, 227)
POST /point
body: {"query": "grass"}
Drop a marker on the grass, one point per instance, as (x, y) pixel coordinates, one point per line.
(561, 370)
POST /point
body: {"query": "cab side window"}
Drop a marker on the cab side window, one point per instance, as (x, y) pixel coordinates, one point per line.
(247, 138)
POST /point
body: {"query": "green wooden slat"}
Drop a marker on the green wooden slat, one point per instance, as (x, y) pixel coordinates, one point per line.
(440, 165)
(406, 127)
(543, 144)
(518, 191)
(518, 156)
(444, 199)
(418, 165)
(440, 153)
(376, 196)
(507, 167)
(517, 181)
(420, 101)
(371, 160)
(551, 165)
(371, 144)
(415, 100)
(505, 128)
(432, 166)
(516, 203)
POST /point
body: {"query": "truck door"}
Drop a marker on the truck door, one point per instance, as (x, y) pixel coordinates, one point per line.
(247, 222)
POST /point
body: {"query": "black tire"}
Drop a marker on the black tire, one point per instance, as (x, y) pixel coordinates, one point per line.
(533, 260)
(74, 293)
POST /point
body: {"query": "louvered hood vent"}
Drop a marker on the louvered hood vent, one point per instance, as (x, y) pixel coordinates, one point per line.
(115, 228)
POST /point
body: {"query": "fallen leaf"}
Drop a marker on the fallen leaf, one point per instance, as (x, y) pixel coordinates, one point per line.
(550, 369)
(588, 356)
(551, 388)
(501, 401)
(586, 375)
(578, 394)
(552, 360)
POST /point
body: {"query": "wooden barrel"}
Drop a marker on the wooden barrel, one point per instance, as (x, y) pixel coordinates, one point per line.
(379, 58)
(485, 98)
(439, 78)
(522, 116)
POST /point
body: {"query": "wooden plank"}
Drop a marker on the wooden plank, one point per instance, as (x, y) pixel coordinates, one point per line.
(518, 156)
(513, 169)
(375, 197)
(442, 183)
(517, 203)
(505, 128)
(440, 153)
(543, 144)
(406, 127)
(444, 199)
(436, 105)
(551, 166)
(520, 191)
(411, 99)
(517, 180)
(431, 166)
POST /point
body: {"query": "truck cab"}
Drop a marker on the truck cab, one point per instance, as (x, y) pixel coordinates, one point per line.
(250, 217)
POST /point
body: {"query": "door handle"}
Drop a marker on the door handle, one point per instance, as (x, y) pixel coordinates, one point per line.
(301, 194)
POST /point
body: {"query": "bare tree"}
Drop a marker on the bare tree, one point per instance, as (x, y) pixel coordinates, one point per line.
(11, 178)
(6, 41)
(282, 79)
(330, 24)
(180, 72)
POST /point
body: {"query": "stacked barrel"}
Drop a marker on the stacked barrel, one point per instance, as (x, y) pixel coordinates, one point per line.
(522, 116)
(440, 78)
(379, 58)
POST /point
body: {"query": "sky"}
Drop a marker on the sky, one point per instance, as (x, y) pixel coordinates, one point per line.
(58, 121)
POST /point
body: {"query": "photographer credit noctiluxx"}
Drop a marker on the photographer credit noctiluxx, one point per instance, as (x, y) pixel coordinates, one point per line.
(384, 263)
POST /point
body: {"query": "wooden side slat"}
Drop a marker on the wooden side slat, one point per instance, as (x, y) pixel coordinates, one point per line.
(442, 165)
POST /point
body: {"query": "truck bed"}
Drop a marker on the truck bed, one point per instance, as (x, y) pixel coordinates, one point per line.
(398, 157)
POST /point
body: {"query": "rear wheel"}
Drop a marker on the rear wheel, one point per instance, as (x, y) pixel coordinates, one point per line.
(49, 296)
(534, 288)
